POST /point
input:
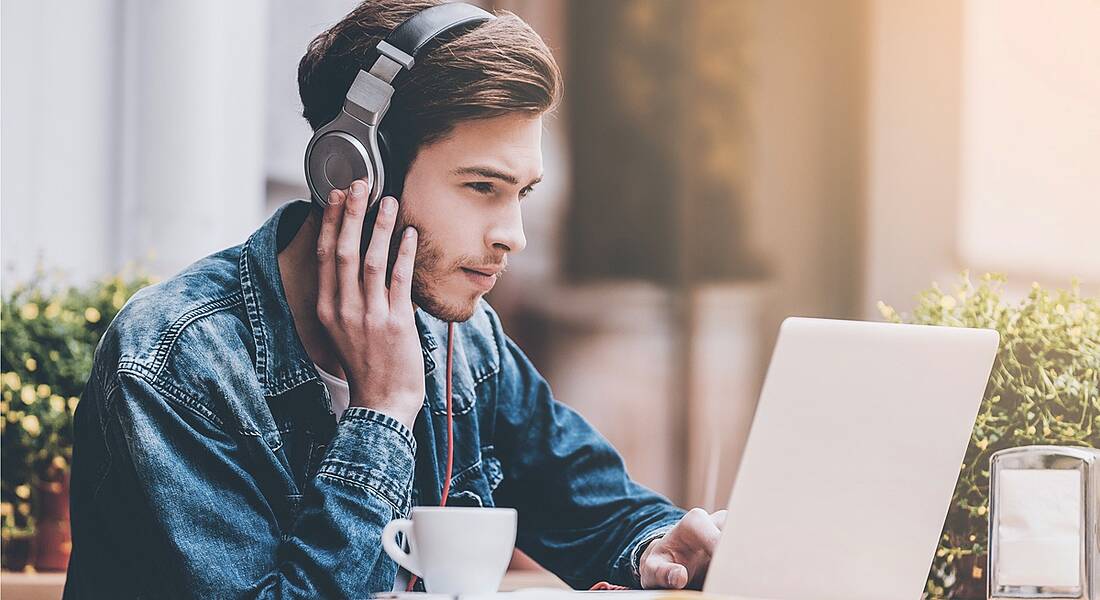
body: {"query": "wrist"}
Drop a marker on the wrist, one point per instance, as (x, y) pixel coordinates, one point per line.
(393, 410)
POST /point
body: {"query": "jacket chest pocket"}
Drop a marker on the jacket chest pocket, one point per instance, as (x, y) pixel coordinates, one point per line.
(474, 486)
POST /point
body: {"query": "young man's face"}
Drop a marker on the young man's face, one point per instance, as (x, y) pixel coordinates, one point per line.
(463, 193)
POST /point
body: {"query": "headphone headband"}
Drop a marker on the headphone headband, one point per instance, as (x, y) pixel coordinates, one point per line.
(405, 43)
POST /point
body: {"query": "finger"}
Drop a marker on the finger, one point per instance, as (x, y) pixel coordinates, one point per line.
(326, 248)
(347, 249)
(660, 572)
(401, 280)
(376, 259)
(719, 518)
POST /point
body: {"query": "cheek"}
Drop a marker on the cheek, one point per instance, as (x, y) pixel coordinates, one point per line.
(448, 230)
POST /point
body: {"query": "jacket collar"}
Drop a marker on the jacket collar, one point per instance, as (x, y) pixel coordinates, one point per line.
(281, 360)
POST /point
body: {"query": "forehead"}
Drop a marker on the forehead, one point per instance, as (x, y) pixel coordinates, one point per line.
(512, 143)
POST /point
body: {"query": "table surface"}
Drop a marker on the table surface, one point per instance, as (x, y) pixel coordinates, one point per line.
(48, 586)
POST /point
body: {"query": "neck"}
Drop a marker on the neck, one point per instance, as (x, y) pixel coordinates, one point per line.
(298, 270)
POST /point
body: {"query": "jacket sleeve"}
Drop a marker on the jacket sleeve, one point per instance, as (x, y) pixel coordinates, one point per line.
(217, 529)
(580, 514)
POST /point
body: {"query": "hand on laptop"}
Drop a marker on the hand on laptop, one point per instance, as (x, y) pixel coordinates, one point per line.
(680, 558)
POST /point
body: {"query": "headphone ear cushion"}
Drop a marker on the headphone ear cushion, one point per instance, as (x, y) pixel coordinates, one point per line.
(395, 173)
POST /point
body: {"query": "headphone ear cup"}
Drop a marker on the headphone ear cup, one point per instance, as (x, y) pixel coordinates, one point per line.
(334, 159)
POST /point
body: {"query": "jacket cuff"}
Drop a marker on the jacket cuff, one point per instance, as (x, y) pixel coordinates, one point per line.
(376, 451)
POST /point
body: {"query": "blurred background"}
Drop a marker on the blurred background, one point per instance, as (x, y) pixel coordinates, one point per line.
(716, 167)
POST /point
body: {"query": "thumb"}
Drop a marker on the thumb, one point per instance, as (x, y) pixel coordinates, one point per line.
(660, 573)
(673, 576)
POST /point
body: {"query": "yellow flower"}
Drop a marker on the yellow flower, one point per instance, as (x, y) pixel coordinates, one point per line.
(5, 509)
(59, 462)
(55, 355)
(947, 302)
(11, 378)
(52, 310)
(72, 402)
(23, 491)
(24, 508)
(30, 363)
(982, 444)
(57, 403)
(43, 390)
(27, 395)
(29, 311)
(31, 425)
(981, 511)
(91, 314)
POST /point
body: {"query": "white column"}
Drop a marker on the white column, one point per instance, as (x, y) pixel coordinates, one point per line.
(58, 177)
(192, 128)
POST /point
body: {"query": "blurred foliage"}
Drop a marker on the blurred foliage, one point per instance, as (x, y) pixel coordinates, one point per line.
(1043, 390)
(49, 338)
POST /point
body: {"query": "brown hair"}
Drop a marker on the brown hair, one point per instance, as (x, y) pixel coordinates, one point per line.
(498, 67)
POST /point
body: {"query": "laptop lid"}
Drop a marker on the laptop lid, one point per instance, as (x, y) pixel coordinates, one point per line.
(851, 461)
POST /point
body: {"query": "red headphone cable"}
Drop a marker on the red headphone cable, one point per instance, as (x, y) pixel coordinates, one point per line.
(450, 432)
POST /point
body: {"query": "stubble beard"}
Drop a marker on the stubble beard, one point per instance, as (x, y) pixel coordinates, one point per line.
(428, 269)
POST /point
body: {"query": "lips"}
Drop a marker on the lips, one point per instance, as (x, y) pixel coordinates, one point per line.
(488, 272)
(483, 277)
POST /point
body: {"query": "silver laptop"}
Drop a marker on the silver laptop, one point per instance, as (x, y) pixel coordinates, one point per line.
(851, 461)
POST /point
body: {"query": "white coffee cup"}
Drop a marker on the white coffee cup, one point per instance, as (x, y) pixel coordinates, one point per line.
(456, 550)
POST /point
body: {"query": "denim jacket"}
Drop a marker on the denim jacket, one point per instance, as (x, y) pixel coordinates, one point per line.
(208, 462)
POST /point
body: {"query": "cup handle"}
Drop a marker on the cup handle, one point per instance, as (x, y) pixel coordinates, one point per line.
(389, 544)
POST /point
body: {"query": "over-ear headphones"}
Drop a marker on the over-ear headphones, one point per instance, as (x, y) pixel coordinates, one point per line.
(353, 145)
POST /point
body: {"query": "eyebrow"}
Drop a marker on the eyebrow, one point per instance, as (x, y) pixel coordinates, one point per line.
(492, 173)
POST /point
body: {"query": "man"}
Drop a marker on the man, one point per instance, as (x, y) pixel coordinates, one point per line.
(251, 424)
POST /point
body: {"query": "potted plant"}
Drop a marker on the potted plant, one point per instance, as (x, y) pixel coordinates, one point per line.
(1044, 389)
(49, 338)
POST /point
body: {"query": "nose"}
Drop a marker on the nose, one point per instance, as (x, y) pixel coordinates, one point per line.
(506, 234)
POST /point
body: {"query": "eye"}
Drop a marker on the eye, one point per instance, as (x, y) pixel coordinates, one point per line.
(481, 187)
(527, 190)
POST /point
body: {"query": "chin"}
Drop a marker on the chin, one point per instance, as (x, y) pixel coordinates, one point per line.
(451, 308)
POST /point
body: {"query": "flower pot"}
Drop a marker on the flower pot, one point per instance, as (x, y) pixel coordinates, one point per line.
(17, 551)
(53, 538)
